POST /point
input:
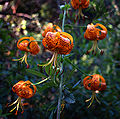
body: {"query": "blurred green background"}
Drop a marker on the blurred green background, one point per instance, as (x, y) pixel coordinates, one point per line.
(28, 20)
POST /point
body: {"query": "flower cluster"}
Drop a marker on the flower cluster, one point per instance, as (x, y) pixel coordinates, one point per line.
(95, 83)
(24, 89)
(59, 42)
(55, 41)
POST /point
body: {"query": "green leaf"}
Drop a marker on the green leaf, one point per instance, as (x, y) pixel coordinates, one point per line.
(61, 16)
(49, 70)
(45, 86)
(53, 112)
(67, 6)
(75, 66)
(51, 115)
(68, 26)
(7, 114)
(69, 97)
(36, 73)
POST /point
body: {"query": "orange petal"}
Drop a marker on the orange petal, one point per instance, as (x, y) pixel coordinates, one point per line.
(23, 43)
(34, 47)
(103, 31)
(86, 4)
(75, 4)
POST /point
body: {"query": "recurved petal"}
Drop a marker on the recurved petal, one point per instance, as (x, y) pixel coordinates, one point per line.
(23, 43)
(103, 84)
(75, 4)
(90, 33)
(103, 31)
(87, 84)
(34, 47)
(86, 4)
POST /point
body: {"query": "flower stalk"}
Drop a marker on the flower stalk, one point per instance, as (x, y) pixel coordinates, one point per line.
(42, 81)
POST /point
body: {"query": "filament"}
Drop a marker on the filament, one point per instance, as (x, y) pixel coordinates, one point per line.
(13, 109)
(80, 12)
(92, 99)
(51, 61)
(13, 102)
(23, 58)
(55, 59)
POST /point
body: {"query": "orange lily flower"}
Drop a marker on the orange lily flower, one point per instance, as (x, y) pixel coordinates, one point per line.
(50, 28)
(59, 43)
(95, 83)
(80, 4)
(27, 44)
(24, 90)
(93, 33)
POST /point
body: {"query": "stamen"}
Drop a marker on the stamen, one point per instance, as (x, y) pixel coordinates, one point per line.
(101, 51)
(21, 106)
(97, 99)
(88, 99)
(18, 101)
(22, 58)
(91, 102)
(92, 98)
(91, 48)
(17, 59)
(13, 109)
(55, 59)
(98, 48)
(17, 108)
(80, 12)
(95, 45)
(25, 104)
(26, 58)
(16, 112)
(51, 61)
(13, 103)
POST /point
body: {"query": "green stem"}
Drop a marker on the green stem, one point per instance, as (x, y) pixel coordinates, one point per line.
(63, 22)
(61, 80)
(41, 81)
(60, 94)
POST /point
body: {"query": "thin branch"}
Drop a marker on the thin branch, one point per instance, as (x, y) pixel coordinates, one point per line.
(17, 15)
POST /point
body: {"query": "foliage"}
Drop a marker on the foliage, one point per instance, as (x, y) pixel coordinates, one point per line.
(76, 65)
